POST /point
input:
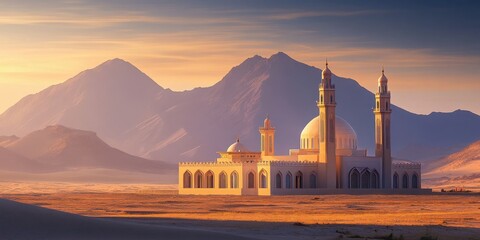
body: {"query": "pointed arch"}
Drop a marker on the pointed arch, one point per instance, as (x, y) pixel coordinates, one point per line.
(222, 180)
(313, 180)
(354, 178)
(198, 179)
(187, 179)
(210, 179)
(395, 180)
(365, 178)
(375, 179)
(288, 180)
(405, 180)
(415, 180)
(278, 180)
(299, 180)
(234, 179)
(251, 180)
(263, 179)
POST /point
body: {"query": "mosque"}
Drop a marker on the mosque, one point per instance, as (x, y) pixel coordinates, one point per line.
(328, 160)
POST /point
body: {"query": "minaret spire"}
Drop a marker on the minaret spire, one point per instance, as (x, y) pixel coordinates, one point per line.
(267, 138)
(382, 113)
(327, 150)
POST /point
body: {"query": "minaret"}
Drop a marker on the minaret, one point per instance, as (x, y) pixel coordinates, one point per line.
(382, 129)
(267, 138)
(326, 107)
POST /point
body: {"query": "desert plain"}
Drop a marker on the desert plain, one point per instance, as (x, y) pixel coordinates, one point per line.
(437, 215)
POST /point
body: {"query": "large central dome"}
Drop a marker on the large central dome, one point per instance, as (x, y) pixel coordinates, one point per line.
(344, 133)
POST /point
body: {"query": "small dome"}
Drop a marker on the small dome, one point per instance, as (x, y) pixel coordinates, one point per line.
(237, 147)
(344, 134)
(326, 73)
(266, 123)
(383, 78)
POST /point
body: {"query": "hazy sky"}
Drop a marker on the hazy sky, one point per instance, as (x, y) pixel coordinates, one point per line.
(430, 49)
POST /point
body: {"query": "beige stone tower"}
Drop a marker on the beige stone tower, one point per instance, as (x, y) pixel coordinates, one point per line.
(326, 107)
(267, 138)
(382, 113)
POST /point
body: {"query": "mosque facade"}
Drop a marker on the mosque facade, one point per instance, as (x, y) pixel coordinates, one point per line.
(328, 160)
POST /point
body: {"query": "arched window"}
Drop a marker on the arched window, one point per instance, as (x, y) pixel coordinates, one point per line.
(251, 180)
(377, 132)
(288, 180)
(210, 180)
(414, 181)
(331, 98)
(234, 180)
(222, 180)
(299, 180)
(366, 179)
(322, 129)
(378, 105)
(321, 98)
(278, 180)
(375, 180)
(354, 178)
(395, 180)
(313, 180)
(198, 179)
(405, 180)
(187, 180)
(270, 144)
(263, 179)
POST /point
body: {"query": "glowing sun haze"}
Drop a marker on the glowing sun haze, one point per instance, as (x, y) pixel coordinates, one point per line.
(430, 49)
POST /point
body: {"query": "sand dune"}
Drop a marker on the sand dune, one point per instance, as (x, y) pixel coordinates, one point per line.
(21, 221)
(457, 170)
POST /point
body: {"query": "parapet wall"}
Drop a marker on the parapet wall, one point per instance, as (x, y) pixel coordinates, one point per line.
(208, 164)
(261, 163)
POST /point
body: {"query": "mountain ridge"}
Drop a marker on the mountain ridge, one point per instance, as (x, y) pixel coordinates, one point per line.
(158, 123)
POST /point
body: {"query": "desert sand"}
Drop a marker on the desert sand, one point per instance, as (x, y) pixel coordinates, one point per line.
(22, 221)
(446, 216)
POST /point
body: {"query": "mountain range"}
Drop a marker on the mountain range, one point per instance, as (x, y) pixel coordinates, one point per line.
(133, 113)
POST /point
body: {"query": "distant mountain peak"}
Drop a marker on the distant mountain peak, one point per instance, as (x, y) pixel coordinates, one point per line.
(116, 64)
(116, 61)
(60, 129)
(117, 71)
(282, 59)
(280, 55)
(458, 112)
